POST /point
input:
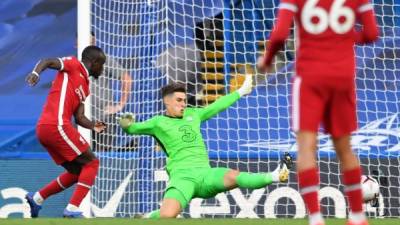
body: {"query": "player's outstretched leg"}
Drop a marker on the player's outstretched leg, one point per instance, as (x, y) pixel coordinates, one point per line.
(351, 178)
(87, 176)
(62, 182)
(233, 178)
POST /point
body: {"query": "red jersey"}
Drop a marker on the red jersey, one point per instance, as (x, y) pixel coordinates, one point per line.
(69, 89)
(325, 34)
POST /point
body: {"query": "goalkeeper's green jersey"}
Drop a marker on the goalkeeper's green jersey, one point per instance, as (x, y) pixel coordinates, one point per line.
(181, 138)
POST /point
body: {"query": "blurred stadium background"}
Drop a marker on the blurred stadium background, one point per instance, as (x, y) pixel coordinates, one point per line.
(209, 45)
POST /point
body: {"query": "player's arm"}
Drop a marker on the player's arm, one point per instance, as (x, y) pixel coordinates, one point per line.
(129, 126)
(83, 121)
(227, 100)
(126, 84)
(53, 63)
(279, 33)
(366, 16)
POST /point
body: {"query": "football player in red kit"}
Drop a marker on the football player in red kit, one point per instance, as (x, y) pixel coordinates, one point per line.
(56, 132)
(323, 88)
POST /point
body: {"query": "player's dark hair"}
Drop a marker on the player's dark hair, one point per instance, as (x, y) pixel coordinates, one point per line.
(172, 88)
(92, 53)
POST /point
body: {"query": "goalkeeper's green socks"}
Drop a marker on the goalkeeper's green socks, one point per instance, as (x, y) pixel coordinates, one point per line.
(253, 180)
(154, 214)
(259, 180)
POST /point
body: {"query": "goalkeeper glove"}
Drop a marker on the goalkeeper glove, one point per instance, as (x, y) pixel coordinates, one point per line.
(247, 86)
(126, 120)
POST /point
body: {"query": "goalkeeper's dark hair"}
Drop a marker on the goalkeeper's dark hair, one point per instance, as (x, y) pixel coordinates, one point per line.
(92, 53)
(172, 88)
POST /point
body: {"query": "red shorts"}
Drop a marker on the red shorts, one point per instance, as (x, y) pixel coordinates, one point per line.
(331, 101)
(64, 143)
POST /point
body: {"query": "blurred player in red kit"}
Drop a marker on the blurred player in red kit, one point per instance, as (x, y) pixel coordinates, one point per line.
(56, 132)
(323, 88)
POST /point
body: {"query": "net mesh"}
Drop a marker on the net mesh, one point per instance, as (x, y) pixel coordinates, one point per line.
(210, 46)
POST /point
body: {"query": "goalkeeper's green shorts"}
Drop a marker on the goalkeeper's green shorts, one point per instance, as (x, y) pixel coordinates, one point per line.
(195, 183)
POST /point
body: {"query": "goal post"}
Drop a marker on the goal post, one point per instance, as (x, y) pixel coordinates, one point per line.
(210, 45)
(83, 40)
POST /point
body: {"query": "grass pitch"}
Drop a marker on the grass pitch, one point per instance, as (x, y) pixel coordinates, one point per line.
(116, 221)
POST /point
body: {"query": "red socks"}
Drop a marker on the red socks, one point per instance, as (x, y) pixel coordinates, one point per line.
(352, 181)
(85, 181)
(57, 185)
(309, 187)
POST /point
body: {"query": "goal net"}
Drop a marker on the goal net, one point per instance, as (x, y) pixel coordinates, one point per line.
(210, 45)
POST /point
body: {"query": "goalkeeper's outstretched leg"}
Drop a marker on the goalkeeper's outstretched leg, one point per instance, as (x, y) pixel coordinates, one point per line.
(234, 178)
(207, 183)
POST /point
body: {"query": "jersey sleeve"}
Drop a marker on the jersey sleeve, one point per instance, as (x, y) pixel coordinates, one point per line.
(366, 16)
(290, 5)
(146, 127)
(69, 63)
(217, 106)
(364, 6)
(287, 10)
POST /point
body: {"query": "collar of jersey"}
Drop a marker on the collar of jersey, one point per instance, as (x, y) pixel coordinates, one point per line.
(173, 117)
(87, 71)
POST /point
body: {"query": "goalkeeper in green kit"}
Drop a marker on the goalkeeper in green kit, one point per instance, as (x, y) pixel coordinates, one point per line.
(188, 167)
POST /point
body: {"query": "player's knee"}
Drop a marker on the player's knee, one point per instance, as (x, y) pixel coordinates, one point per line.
(307, 141)
(230, 178)
(92, 165)
(169, 213)
(173, 204)
(95, 163)
(86, 158)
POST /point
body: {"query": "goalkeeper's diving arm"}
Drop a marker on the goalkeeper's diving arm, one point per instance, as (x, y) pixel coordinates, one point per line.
(227, 100)
(128, 124)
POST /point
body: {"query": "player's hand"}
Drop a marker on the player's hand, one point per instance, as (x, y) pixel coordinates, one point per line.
(112, 109)
(32, 79)
(247, 86)
(99, 127)
(126, 120)
(261, 66)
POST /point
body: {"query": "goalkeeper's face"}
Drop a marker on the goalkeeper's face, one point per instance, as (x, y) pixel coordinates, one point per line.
(175, 104)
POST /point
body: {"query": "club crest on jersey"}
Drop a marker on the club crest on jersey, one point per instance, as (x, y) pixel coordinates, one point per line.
(189, 118)
(188, 135)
